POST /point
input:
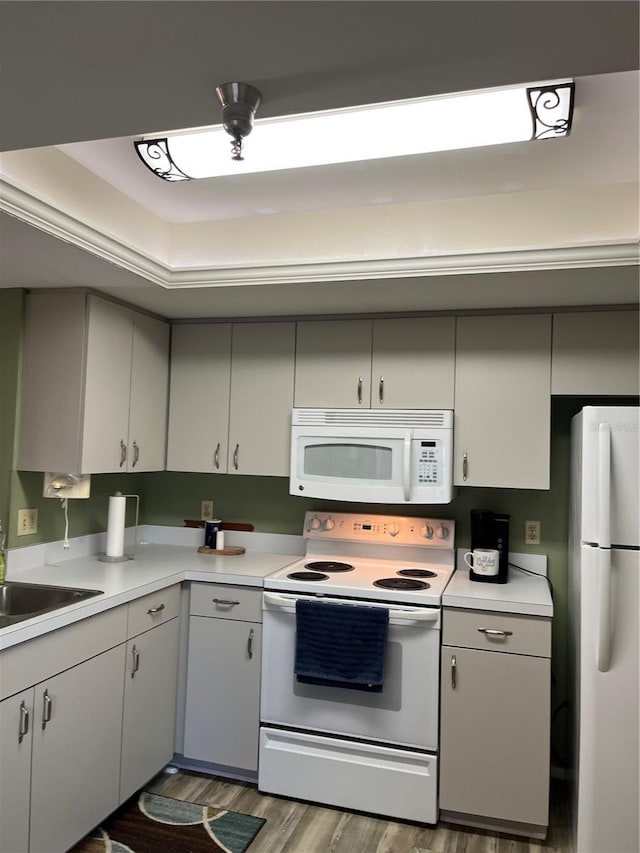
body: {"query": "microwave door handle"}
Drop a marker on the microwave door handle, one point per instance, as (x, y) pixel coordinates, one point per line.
(407, 466)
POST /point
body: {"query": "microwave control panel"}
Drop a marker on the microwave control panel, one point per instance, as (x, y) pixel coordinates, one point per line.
(428, 462)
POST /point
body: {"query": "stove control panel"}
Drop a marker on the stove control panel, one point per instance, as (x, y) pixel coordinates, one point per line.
(388, 529)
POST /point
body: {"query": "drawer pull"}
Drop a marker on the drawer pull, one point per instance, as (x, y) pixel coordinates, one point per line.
(225, 601)
(157, 609)
(454, 672)
(46, 709)
(250, 644)
(24, 722)
(494, 632)
(135, 665)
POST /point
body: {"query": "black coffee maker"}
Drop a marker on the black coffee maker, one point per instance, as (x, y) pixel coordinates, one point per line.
(491, 530)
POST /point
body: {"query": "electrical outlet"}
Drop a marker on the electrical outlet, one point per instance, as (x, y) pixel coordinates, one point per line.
(206, 510)
(532, 532)
(27, 522)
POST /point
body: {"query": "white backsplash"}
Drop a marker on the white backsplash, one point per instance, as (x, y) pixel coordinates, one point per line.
(54, 553)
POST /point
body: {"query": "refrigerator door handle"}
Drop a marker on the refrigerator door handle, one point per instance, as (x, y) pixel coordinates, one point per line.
(604, 486)
(604, 606)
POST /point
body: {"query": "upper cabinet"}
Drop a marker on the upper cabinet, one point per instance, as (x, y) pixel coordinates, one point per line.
(94, 386)
(262, 359)
(231, 398)
(394, 364)
(502, 402)
(199, 398)
(595, 352)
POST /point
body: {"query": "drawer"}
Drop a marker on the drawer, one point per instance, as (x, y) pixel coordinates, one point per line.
(226, 601)
(153, 609)
(473, 629)
(34, 660)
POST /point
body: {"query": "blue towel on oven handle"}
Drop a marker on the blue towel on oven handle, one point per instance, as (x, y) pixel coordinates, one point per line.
(341, 645)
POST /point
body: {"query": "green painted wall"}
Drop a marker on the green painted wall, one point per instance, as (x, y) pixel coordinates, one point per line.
(11, 327)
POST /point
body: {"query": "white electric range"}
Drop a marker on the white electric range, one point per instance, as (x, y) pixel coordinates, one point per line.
(369, 751)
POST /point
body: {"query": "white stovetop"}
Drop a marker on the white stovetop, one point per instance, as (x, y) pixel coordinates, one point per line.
(359, 583)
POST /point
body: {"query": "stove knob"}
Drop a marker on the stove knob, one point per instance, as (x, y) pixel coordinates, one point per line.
(442, 532)
(329, 524)
(426, 531)
(315, 523)
(393, 529)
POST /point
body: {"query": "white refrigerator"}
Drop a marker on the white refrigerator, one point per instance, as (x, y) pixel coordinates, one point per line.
(604, 613)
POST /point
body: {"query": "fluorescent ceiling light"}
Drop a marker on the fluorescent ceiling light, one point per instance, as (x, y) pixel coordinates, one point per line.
(397, 129)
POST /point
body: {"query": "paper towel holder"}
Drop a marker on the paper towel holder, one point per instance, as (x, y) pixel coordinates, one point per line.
(124, 558)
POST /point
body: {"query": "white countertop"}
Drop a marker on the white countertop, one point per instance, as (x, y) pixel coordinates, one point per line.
(154, 567)
(523, 593)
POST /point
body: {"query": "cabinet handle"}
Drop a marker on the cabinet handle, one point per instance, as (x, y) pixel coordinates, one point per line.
(216, 456)
(123, 453)
(360, 389)
(250, 644)
(381, 389)
(136, 453)
(494, 632)
(157, 609)
(465, 465)
(454, 672)
(226, 601)
(24, 722)
(46, 708)
(235, 456)
(136, 661)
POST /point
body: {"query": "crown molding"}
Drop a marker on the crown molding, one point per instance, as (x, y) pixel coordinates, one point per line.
(40, 214)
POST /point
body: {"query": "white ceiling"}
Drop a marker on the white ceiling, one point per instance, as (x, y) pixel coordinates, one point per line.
(116, 70)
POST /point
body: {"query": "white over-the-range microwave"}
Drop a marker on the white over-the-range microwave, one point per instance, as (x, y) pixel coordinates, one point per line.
(390, 456)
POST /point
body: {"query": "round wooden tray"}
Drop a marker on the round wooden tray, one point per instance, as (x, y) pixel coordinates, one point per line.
(229, 551)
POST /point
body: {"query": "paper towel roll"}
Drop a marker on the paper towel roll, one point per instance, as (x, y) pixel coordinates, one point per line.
(115, 525)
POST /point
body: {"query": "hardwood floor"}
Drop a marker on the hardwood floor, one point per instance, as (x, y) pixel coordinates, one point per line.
(299, 827)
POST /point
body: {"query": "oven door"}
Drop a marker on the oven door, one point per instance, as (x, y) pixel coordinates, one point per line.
(404, 713)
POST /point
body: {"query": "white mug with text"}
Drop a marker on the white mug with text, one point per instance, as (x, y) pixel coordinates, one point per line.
(486, 561)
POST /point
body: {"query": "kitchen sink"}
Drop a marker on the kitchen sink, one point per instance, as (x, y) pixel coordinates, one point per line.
(20, 601)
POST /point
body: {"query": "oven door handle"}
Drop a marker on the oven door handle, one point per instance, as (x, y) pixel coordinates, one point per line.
(417, 615)
(279, 600)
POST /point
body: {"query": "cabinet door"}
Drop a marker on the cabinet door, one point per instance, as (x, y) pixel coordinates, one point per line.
(149, 394)
(333, 364)
(502, 401)
(595, 352)
(262, 357)
(413, 363)
(149, 722)
(76, 754)
(16, 721)
(222, 714)
(199, 398)
(107, 387)
(494, 742)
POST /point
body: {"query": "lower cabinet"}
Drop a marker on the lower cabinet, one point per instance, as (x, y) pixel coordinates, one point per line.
(149, 719)
(75, 776)
(87, 716)
(222, 715)
(495, 722)
(16, 733)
